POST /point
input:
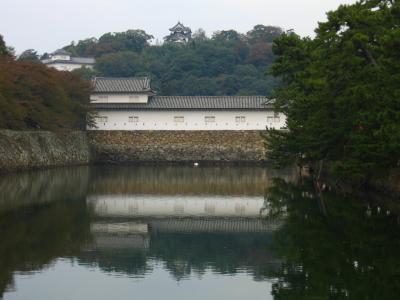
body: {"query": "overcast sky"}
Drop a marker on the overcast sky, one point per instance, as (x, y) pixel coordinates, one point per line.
(46, 25)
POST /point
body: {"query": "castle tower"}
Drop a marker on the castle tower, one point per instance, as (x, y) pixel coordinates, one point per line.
(179, 34)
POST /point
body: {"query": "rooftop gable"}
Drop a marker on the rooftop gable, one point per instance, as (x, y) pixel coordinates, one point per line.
(180, 27)
(121, 85)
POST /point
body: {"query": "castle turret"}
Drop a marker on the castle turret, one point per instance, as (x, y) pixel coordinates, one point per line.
(179, 34)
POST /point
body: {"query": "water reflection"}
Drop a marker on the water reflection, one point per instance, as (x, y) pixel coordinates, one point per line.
(126, 221)
(203, 228)
(192, 219)
(334, 247)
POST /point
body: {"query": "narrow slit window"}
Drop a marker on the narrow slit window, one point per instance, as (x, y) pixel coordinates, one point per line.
(209, 119)
(179, 119)
(133, 119)
(240, 119)
(102, 119)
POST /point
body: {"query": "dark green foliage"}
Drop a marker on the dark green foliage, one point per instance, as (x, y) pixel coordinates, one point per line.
(4, 50)
(85, 73)
(29, 55)
(332, 246)
(341, 91)
(131, 40)
(119, 64)
(229, 63)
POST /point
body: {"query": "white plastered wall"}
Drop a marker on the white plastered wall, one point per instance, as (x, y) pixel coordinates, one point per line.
(119, 98)
(67, 67)
(192, 120)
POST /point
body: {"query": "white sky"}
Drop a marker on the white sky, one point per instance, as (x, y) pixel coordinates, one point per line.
(46, 25)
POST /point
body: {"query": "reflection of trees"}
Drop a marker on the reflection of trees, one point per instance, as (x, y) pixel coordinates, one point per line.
(31, 237)
(128, 261)
(334, 247)
(222, 253)
(23, 189)
(185, 254)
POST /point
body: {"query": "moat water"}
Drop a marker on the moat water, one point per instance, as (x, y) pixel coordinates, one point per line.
(192, 233)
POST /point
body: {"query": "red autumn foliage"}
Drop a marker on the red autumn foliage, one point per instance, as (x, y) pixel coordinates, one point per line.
(33, 96)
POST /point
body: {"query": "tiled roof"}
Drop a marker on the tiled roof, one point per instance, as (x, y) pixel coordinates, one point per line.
(121, 85)
(179, 27)
(83, 60)
(193, 103)
(61, 52)
(73, 60)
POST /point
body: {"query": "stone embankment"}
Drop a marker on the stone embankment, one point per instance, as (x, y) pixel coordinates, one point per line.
(22, 150)
(176, 146)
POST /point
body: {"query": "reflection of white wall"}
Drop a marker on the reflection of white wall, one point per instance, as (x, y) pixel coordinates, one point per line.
(167, 206)
(119, 228)
(107, 241)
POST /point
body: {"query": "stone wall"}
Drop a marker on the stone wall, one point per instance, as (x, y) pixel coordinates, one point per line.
(21, 150)
(176, 146)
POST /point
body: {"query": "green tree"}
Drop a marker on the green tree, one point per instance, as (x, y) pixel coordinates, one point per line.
(123, 64)
(4, 50)
(85, 73)
(341, 92)
(262, 33)
(29, 55)
(213, 61)
(227, 35)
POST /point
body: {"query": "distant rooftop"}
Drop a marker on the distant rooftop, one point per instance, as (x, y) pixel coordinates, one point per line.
(72, 60)
(61, 52)
(121, 85)
(180, 27)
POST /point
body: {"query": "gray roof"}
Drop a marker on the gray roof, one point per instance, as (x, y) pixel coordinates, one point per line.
(193, 103)
(83, 60)
(61, 52)
(180, 27)
(121, 85)
(73, 60)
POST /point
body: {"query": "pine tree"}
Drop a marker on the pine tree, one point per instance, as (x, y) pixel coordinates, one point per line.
(341, 91)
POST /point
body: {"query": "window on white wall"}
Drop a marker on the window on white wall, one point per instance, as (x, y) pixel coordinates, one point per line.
(133, 119)
(179, 119)
(240, 119)
(209, 119)
(270, 120)
(102, 119)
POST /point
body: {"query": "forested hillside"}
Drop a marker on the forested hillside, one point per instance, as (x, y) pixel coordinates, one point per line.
(228, 63)
(33, 96)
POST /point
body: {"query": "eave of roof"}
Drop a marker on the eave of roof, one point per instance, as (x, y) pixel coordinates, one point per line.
(193, 103)
(70, 62)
